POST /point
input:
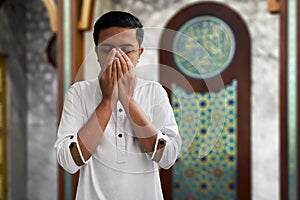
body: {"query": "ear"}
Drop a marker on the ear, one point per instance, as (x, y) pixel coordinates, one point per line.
(141, 51)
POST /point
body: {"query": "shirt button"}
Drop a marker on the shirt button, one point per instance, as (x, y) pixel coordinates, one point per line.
(120, 109)
(120, 135)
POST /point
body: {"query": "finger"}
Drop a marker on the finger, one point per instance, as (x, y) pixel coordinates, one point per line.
(114, 72)
(119, 69)
(120, 56)
(127, 60)
(124, 66)
(109, 70)
(111, 56)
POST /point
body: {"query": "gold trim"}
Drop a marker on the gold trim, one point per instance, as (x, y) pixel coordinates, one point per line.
(274, 6)
(52, 11)
(86, 15)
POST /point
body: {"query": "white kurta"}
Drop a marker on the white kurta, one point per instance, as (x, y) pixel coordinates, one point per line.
(119, 168)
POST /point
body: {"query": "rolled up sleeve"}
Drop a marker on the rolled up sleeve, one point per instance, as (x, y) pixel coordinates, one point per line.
(168, 141)
(166, 150)
(71, 121)
(64, 156)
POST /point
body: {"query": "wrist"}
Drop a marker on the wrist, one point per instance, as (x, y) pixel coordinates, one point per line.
(108, 102)
(125, 100)
(128, 105)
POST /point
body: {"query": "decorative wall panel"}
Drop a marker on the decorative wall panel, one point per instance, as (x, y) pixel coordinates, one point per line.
(210, 176)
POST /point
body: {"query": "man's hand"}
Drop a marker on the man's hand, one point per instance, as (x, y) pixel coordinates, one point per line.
(89, 136)
(126, 77)
(143, 129)
(108, 79)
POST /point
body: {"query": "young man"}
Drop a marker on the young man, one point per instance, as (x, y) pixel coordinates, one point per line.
(117, 129)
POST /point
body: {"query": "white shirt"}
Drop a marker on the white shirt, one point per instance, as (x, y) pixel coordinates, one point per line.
(119, 168)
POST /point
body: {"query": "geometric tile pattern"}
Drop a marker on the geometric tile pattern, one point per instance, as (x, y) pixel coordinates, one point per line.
(206, 167)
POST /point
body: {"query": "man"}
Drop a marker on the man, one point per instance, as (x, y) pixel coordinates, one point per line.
(117, 129)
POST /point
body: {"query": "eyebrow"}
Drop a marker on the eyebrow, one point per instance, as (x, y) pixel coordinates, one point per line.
(106, 45)
(126, 45)
(122, 45)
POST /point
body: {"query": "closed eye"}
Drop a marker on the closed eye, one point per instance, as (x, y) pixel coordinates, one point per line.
(105, 50)
(128, 51)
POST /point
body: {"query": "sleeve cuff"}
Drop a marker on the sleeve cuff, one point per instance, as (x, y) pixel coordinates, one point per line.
(161, 142)
(76, 151)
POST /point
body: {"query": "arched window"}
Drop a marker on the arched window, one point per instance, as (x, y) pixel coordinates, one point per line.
(205, 67)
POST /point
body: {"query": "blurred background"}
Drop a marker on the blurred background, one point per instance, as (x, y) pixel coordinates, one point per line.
(39, 61)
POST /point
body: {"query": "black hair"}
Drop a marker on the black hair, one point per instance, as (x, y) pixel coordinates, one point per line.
(118, 19)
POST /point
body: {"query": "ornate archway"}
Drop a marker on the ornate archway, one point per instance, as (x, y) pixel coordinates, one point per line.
(206, 48)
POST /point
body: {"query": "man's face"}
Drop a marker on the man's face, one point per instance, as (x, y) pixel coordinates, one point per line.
(118, 37)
